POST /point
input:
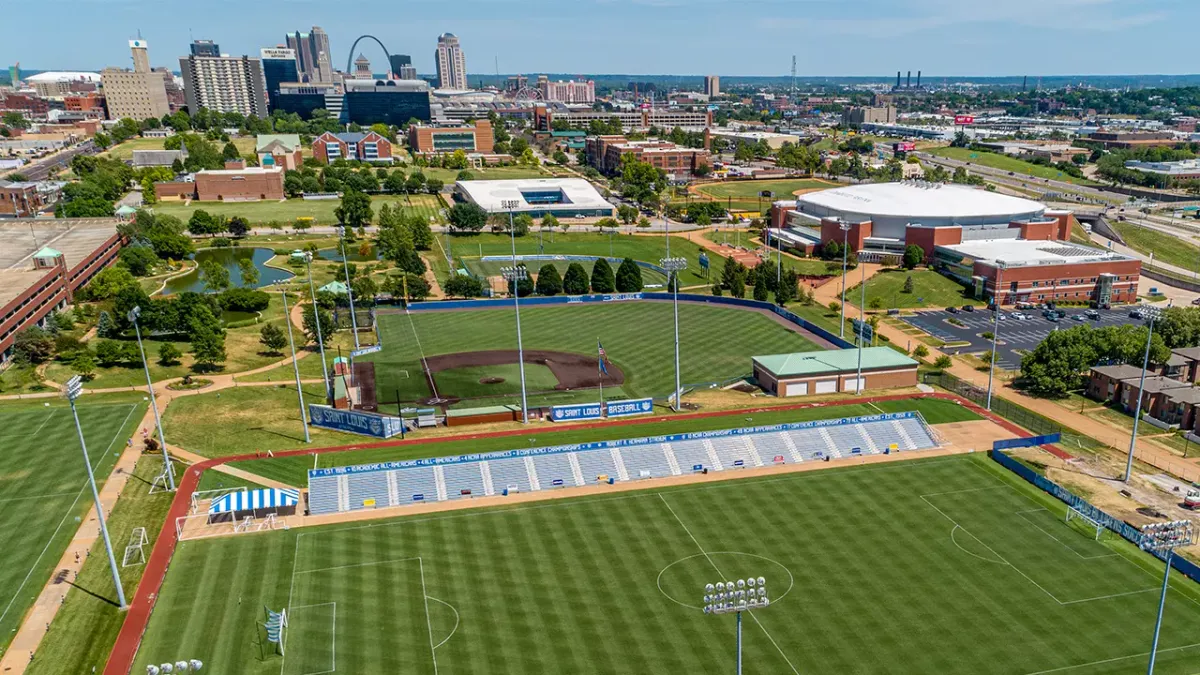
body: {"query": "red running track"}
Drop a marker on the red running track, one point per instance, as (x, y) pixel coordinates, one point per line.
(120, 662)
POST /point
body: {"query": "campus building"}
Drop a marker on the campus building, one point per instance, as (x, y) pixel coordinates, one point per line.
(562, 197)
(21, 199)
(304, 98)
(605, 153)
(235, 183)
(427, 140)
(225, 84)
(140, 93)
(363, 146)
(43, 263)
(283, 150)
(833, 371)
(1188, 169)
(393, 102)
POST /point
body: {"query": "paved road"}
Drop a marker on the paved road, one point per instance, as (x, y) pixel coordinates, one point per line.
(46, 167)
(1014, 335)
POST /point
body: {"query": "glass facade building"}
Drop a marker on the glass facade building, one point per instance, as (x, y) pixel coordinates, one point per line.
(277, 71)
(386, 101)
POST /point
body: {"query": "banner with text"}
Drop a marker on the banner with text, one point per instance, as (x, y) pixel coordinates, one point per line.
(582, 411)
(354, 421)
(636, 406)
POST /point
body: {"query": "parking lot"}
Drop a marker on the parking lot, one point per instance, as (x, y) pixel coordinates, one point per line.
(1014, 335)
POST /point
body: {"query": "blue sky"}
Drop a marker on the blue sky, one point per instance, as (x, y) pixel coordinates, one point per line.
(729, 37)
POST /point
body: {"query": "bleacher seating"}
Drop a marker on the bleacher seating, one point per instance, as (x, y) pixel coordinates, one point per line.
(367, 489)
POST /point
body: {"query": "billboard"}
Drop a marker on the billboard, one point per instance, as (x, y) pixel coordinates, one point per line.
(582, 411)
(277, 53)
(904, 146)
(964, 119)
(354, 421)
(637, 406)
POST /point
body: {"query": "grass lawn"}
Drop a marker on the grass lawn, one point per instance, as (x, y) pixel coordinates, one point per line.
(124, 151)
(84, 630)
(1005, 163)
(639, 247)
(1177, 251)
(978, 562)
(930, 289)
(750, 189)
(449, 176)
(716, 343)
(18, 379)
(286, 212)
(43, 488)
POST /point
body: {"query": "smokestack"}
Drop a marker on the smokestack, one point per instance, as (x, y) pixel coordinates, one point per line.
(897, 79)
(918, 79)
(1024, 82)
(908, 80)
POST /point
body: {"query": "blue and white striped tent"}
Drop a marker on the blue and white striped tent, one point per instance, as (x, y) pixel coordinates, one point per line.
(266, 500)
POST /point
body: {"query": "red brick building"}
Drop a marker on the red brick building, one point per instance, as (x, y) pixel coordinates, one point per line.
(606, 152)
(234, 184)
(20, 200)
(362, 146)
(428, 140)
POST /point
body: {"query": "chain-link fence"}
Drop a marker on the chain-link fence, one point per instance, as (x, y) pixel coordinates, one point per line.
(1009, 411)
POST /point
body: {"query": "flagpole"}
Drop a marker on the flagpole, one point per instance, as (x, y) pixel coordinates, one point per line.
(600, 377)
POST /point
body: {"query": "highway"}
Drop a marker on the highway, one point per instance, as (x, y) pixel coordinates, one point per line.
(48, 166)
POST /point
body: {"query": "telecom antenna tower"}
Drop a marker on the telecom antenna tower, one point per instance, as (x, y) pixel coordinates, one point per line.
(793, 74)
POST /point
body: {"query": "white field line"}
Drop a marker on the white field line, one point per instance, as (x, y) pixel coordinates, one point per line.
(428, 619)
(1112, 660)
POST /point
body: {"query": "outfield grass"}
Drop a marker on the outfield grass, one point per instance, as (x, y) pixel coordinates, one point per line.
(930, 289)
(1178, 251)
(286, 212)
(951, 565)
(43, 488)
(716, 343)
(1005, 163)
(639, 247)
(538, 378)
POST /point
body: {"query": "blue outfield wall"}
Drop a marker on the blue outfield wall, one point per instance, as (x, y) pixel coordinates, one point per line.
(1127, 531)
(604, 445)
(545, 257)
(538, 301)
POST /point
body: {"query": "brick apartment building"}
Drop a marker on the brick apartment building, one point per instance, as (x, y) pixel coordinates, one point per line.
(429, 140)
(235, 183)
(86, 103)
(606, 152)
(362, 146)
(20, 199)
(281, 150)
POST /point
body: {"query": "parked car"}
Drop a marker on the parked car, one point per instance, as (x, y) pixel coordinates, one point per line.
(1196, 301)
(1061, 314)
(1078, 317)
(952, 310)
(968, 308)
(1053, 318)
(1135, 314)
(1095, 316)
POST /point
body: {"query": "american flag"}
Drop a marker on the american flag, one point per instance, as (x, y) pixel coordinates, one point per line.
(600, 349)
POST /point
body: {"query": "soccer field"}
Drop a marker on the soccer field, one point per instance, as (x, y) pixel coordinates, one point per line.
(947, 565)
(716, 343)
(43, 490)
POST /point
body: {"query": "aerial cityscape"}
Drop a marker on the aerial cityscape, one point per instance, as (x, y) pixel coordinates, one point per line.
(530, 338)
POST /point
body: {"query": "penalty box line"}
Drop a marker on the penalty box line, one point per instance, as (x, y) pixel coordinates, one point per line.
(722, 575)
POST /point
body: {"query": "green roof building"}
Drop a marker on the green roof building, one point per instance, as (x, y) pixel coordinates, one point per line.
(833, 371)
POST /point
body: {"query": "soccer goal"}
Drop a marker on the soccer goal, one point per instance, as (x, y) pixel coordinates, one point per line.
(135, 553)
(1085, 521)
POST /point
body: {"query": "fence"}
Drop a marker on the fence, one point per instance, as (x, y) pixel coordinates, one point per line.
(1127, 531)
(1010, 411)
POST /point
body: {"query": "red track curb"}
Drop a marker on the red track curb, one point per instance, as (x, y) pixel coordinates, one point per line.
(120, 661)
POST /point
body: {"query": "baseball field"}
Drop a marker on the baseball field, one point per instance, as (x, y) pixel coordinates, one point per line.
(941, 565)
(433, 350)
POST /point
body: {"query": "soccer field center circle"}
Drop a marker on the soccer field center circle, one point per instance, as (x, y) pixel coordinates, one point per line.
(752, 564)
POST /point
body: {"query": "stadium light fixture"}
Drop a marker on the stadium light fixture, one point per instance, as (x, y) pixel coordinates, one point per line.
(317, 321)
(349, 291)
(168, 468)
(515, 275)
(295, 367)
(845, 228)
(74, 391)
(735, 597)
(1162, 539)
(1000, 267)
(674, 266)
(1151, 314)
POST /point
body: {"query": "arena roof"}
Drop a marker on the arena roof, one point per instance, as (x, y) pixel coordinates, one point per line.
(1018, 252)
(62, 76)
(489, 194)
(916, 201)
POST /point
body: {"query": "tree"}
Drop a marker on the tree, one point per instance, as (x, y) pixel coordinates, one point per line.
(326, 324)
(105, 327)
(365, 289)
(603, 280)
(908, 285)
(761, 292)
(733, 277)
(560, 157)
(230, 152)
(249, 272)
(942, 362)
(214, 275)
(201, 223)
(575, 282)
(609, 224)
(641, 181)
(643, 222)
(629, 277)
(434, 185)
(463, 286)
(523, 286)
(466, 217)
(548, 280)
(272, 337)
(549, 222)
(521, 224)
(913, 256)
(139, 260)
(921, 351)
(788, 288)
(169, 354)
(627, 214)
(33, 345)
(15, 120)
(237, 226)
(208, 348)
(355, 209)
(84, 365)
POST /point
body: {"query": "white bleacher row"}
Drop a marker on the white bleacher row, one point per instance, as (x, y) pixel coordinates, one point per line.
(377, 489)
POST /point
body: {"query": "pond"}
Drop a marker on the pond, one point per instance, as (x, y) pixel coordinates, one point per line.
(354, 251)
(228, 257)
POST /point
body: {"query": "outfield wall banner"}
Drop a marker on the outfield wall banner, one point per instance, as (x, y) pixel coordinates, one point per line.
(569, 413)
(1029, 442)
(354, 421)
(637, 406)
(366, 350)
(604, 445)
(545, 257)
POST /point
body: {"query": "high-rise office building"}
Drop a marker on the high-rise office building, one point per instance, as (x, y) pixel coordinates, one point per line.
(574, 91)
(392, 102)
(138, 94)
(278, 67)
(712, 85)
(451, 63)
(313, 57)
(205, 48)
(402, 67)
(224, 84)
(362, 68)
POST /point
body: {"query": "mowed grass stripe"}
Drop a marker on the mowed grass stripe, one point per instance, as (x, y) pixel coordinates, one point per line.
(571, 586)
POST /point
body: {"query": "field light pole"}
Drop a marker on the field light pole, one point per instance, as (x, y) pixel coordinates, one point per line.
(995, 330)
(1163, 539)
(1151, 313)
(673, 266)
(845, 227)
(862, 327)
(317, 321)
(295, 367)
(515, 275)
(168, 469)
(349, 291)
(730, 597)
(74, 390)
